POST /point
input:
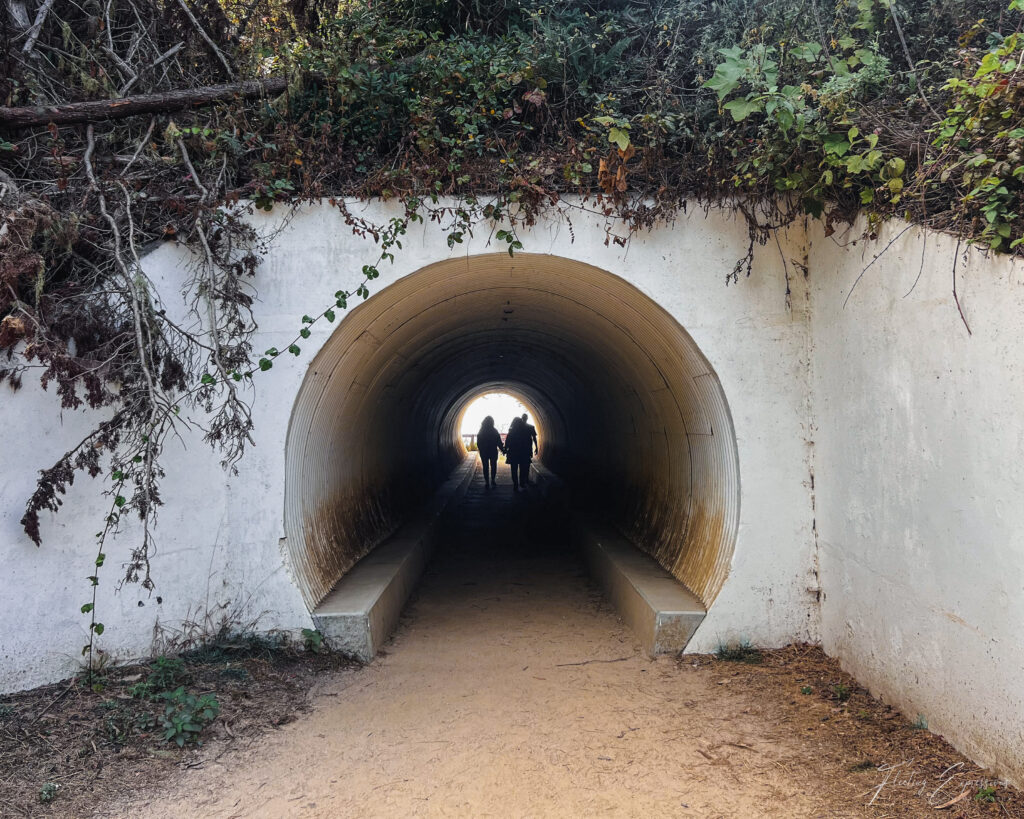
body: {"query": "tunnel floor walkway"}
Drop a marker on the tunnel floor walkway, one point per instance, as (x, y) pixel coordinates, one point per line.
(510, 689)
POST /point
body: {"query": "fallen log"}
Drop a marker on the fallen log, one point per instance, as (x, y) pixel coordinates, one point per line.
(100, 110)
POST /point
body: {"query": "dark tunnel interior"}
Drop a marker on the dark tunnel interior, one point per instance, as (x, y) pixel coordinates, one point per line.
(633, 416)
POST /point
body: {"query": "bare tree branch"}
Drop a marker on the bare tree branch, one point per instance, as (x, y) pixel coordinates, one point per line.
(37, 26)
(101, 110)
(206, 37)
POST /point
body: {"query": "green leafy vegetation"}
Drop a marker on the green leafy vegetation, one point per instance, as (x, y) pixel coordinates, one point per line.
(986, 794)
(313, 640)
(164, 681)
(48, 792)
(165, 674)
(122, 723)
(228, 683)
(842, 692)
(185, 715)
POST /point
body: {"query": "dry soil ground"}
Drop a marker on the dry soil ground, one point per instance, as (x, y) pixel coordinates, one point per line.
(511, 689)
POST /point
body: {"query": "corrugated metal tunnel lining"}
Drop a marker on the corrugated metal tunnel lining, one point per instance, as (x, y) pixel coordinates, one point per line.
(633, 416)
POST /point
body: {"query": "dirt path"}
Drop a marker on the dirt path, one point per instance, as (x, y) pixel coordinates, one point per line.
(511, 689)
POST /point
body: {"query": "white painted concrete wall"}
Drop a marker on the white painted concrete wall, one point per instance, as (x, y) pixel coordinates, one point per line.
(919, 466)
(912, 429)
(218, 539)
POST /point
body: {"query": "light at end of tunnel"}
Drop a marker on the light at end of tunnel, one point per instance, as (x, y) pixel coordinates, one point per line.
(499, 405)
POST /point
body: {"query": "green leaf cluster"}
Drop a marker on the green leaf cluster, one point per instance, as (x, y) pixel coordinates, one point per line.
(524, 100)
(186, 714)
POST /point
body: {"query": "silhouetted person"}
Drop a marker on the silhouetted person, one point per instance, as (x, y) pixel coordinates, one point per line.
(519, 452)
(530, 428)
(488, 442)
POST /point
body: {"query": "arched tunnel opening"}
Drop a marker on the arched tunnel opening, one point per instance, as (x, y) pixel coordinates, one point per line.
(635, 422)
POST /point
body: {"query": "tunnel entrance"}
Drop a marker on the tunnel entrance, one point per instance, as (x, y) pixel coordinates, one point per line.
(633, 415)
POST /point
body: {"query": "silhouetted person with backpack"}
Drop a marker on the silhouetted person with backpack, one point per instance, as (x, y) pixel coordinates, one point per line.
(488, 442)
(519, 452)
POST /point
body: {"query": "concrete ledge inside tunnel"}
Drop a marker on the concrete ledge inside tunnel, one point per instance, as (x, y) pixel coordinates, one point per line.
(634, 419)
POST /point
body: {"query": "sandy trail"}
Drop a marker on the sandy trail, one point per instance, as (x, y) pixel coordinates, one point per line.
(511, 689)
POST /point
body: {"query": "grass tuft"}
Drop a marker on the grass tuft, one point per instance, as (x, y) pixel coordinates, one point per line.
(742, 652)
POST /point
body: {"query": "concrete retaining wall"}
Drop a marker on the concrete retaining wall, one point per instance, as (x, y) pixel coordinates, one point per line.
(881, 424)
(919, 481)
(220, 547)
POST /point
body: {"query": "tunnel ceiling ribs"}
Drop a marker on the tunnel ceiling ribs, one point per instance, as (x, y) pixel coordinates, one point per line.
(628, 404)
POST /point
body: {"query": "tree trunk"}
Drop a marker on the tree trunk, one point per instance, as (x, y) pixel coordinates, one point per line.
(100, 110)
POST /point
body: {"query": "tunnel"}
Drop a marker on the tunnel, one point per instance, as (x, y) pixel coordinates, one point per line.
(634, 420)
